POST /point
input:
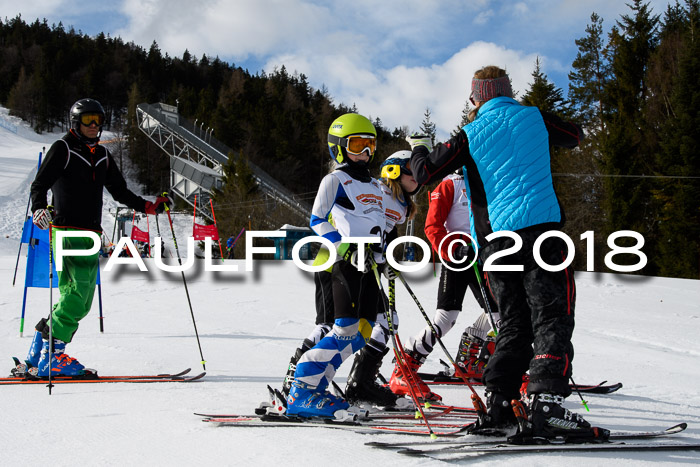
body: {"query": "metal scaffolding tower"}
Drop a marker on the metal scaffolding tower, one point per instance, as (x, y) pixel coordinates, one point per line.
(197, 159)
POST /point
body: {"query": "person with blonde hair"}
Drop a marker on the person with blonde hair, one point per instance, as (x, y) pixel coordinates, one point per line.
(505, 153)
(399, 186)
(354, 200)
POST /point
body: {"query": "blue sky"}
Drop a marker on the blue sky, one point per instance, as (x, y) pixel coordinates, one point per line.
(392, 59)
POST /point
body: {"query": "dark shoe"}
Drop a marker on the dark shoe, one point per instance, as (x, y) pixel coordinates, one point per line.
(547, 420)
(362, 381)
(498, 413)
(291, 368)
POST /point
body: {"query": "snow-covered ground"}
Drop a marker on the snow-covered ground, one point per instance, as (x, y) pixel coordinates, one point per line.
(640, 331)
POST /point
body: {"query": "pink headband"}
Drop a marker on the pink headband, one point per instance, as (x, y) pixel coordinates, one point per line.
(485, 89)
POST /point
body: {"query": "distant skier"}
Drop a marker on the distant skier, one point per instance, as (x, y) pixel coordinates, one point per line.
(230, 243)
(505, 152)
(448, 212)
(76, 169)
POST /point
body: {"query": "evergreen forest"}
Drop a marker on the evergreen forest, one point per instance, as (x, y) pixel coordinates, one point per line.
(635, 89)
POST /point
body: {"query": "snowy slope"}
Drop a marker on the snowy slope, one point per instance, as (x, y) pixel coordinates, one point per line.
(641, 331)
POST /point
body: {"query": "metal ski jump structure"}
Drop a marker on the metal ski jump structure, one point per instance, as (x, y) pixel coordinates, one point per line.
(197, 161)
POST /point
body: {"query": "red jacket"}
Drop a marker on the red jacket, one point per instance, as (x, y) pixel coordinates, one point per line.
(442, 200)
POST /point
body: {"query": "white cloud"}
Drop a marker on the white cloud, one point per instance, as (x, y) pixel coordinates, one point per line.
(400, 95)
(229, 29)
(392, 58)
(483, 17)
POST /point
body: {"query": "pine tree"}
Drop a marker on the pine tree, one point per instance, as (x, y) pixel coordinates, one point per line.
(679, 213)
(591, 71)
(427, 127)
(463, 120)
(624, 148)
(543, 94)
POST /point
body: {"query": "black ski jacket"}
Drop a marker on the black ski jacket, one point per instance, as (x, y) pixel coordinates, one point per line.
(76, 174)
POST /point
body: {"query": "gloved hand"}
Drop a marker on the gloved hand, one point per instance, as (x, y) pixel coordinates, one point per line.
(389, 272)
(349, 253)
(42, 218)
(158, 206)
(417, 139)
(462, 252)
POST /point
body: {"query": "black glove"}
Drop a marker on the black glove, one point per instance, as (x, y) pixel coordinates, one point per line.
(463, 252)
(349, 253)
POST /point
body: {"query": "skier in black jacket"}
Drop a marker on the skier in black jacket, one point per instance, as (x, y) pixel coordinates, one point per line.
(505, 152)
(76, 169)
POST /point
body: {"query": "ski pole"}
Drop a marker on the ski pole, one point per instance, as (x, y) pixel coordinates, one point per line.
(50, 356)
(486, 300)
(406, 372)
(397, 352)
(475, 397)
(116, 221)
(583, 401)
(19, 251)
(184, 281)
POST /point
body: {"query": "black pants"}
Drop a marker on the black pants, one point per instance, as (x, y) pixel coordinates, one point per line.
(324, 297)
(355, 295)
(536, 308)
(453, 287)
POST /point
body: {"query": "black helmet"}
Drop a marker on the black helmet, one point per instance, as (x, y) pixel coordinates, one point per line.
(86, 106)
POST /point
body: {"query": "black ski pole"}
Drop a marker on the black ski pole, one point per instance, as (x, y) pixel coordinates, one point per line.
(50, 356)
(475, 397)
(116, 221)
(397, 350)
(184, 281)
(486, 300)
(405, 370)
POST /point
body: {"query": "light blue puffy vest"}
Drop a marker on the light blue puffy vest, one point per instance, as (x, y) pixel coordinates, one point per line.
(510, 145)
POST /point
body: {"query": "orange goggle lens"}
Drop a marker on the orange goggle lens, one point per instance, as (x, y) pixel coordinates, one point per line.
(89, 119)
(357, 144)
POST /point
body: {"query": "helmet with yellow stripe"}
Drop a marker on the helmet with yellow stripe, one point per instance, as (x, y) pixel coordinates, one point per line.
(351, 133)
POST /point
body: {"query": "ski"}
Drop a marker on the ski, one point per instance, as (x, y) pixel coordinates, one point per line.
(452, 413)
(450, 446)
(478, 451)
(364, 426)
(444, 379)
(175, 378)
(95, 376)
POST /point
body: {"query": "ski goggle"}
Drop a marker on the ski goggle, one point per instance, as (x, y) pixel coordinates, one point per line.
(394, 171)
(357, 144)
(89, 119)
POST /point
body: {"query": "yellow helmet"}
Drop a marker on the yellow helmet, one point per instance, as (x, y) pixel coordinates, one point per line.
(351, 133)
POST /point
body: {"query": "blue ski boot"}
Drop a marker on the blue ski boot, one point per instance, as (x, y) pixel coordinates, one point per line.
(34, 354)
(308, 403)
(61, 363)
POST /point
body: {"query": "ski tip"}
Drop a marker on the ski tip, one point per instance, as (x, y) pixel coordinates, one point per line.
(677, 428)
(412, 452)
(375, 444)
